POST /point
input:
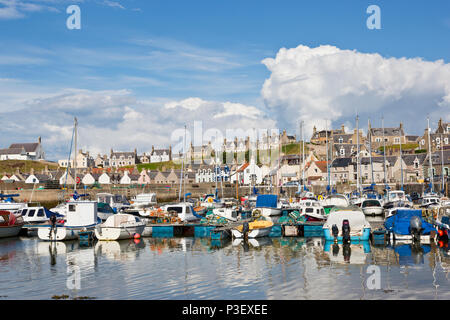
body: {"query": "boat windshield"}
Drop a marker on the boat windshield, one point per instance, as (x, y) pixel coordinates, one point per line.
(177, 209)
(371, 203)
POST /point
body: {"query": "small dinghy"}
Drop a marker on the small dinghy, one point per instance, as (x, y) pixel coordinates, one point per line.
(256, 229)
(372, 207)
(120, 226)
(10, 225)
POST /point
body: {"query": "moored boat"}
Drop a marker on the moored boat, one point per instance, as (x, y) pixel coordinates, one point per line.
(372, 207)
(120, 226)
(267, 205)
(10, 225)
(256, 229)
(408, 224)
(348, 224)
(81, 216)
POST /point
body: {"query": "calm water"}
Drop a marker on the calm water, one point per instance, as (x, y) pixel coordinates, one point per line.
(194, 268)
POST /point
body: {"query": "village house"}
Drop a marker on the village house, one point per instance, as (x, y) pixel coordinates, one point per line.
(392, 136)
(439, 139)
(160, 155)
(23, 151)
(438, 158)
(101, 161)
(121, 159)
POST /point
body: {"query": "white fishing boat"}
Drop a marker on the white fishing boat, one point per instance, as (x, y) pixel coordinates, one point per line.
(430, 200)
(312, 210)
(256, 229)
(335, 200)
(81, 216)
(267, 205)
(120, 226)
(143, 200)
(10, 225)
(117, 202)
(34, 217)
(211, 202)
(372, 207)
(184, 210)
(7, 203)
(228, 213)
(354, 218)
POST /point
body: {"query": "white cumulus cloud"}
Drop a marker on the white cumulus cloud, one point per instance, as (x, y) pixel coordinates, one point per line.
(328, 83)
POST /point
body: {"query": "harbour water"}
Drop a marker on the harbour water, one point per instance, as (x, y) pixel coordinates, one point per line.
(199, 268)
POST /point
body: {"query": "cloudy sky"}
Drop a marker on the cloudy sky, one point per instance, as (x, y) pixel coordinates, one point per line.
(138, 71)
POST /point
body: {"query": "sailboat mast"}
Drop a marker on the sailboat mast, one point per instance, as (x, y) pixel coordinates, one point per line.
(75, 156)
(401, 161)
(358, 167)
(182, 164)
(429, 156)
(442, 166)
(326, 142)
(370, 150)
(303, 157)
(384, 151)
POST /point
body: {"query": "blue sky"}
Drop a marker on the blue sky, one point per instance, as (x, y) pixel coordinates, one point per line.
(131, 58)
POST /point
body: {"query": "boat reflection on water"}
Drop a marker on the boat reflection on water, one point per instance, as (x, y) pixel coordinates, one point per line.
(121, 250)
(348, 253)
(410, 253)
(253, 242)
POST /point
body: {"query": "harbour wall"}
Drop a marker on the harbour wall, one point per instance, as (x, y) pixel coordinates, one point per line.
(171, 192)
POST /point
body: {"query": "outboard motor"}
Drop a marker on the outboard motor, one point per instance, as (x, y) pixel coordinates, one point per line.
(335, 232)
(415, 228)
(345, 231)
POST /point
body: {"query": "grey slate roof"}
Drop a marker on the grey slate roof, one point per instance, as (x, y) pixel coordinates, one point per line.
(29, 147)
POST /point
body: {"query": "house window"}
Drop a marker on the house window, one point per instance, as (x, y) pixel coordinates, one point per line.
(422, 142)
(445, 140)
(377, 139)
(341, 140)
(342, 152)
(396, 140)
(438, 140)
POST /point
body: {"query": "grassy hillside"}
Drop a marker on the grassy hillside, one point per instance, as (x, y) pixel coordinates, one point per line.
(24, 166)
(168, 165)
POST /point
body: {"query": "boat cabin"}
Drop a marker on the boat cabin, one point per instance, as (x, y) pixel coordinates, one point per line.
(81, 213)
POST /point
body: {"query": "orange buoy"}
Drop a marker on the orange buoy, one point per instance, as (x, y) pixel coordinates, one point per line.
(137, 235)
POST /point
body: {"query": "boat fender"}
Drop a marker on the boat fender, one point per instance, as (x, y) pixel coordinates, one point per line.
(136, 236)
(256, 213)
(320, 197)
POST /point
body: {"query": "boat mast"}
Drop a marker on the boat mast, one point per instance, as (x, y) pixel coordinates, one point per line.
(442, 166)
(384, 151)
(429, 156)
(303, 158)
(326, 142)
(182, 164)
(75, 156)
(358, 167)
(401, 161)
(370, 150)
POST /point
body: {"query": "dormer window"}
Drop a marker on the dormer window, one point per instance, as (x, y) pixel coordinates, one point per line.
(341, 140)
